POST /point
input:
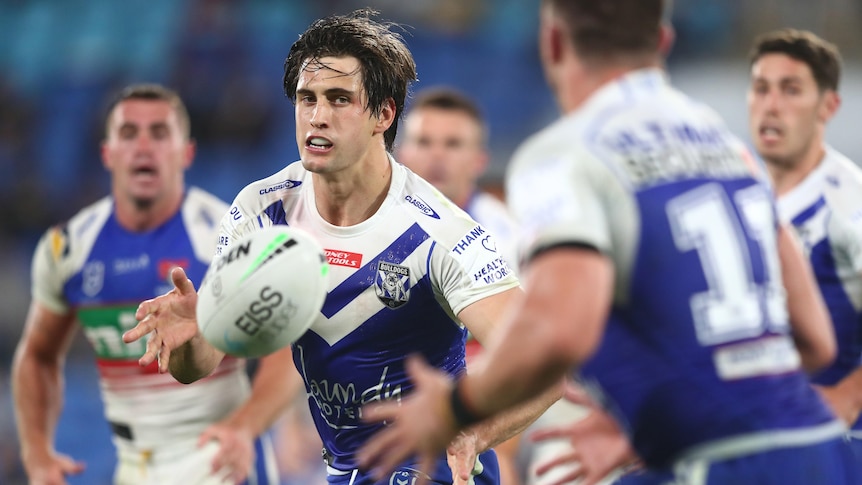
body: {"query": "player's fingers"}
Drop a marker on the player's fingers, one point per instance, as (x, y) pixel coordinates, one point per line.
(572, 475)
(181, 281)
(568, 457)
(151, 353)
(382, 453)
(380, 411)
(164, 357)
(578, 395)
(145, 325)
(417, 368)
(551, 433)
(70, 466)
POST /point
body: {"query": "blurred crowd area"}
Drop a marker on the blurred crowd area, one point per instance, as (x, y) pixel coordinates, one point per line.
(61, 60)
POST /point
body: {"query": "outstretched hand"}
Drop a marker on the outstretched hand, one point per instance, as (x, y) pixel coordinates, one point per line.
(236, 450)
(421, 426)
(598, 444)
(52, 470)
(169, 320)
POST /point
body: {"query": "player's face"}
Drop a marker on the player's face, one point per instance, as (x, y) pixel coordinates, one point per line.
(145, 150)
(785, 109)
(444, 147)
(334, 130)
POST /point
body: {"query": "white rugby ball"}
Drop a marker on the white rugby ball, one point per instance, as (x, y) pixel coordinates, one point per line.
(264, 293)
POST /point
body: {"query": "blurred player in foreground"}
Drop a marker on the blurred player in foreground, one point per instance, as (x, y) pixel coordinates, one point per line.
(409, 272)
(656, 267)
(793, 95)
(92, 271)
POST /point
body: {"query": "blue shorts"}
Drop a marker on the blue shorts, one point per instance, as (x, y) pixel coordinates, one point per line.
(830, 463)
(404, 475)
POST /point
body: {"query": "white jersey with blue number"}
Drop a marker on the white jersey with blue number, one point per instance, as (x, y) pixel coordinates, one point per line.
(696, 358)
(825, 210)
(397, 282)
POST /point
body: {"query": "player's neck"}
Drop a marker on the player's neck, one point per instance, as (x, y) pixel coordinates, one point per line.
(580, 82)
(137, 217)
(353, 195)
(787, 176)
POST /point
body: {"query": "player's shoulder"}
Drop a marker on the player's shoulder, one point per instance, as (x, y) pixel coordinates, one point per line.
(71, 240)
(440, 218)
(841, 183)
(199, 198)
(284, 185)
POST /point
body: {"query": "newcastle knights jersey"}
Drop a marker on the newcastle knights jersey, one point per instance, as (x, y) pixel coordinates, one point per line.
(398, 280)
(97, 269)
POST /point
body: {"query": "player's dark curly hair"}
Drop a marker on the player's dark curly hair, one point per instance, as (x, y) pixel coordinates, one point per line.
(822, 57)
(387, 66)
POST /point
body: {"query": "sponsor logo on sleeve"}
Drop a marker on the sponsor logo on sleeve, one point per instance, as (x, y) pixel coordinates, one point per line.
(422, 206)
(475, 234)
(343, 258)
(477, 253)
(59, 239)
(283, 185)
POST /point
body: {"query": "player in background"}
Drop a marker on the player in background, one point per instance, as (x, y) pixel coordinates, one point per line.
(92, 271)
(655, 267)
(445, 142)
(792, 96)
(409, 271)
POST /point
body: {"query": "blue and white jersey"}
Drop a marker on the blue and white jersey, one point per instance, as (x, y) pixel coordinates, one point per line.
(697, 357)
(100, 271)
(825, 210)
(398, 280)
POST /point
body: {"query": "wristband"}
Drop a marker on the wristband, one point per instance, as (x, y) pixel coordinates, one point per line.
(464, 416)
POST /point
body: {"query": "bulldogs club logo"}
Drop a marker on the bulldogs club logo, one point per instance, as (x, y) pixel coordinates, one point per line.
(392, 284)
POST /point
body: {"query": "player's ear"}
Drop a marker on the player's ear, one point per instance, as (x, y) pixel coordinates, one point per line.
(191, 149)
(829, 105)
(666, 37)
(386, 116)
(103, 150)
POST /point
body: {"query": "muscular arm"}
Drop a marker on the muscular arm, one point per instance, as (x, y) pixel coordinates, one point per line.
(569, 291)
(484, 319)
(812, 328)
(37, 382)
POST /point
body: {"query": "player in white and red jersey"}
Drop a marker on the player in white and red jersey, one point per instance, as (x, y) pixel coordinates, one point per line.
(410, 272)
(92, 271)
(793, 95)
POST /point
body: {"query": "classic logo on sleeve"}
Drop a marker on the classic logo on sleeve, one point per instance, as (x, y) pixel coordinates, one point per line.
(422, 206)
(283, 185)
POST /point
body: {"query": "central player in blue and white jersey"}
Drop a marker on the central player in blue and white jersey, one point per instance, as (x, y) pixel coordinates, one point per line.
(656, 266)
(410, 272)
(793, 94)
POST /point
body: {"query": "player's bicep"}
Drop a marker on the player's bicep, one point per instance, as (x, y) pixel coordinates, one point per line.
(47, 334)
(484, 317)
